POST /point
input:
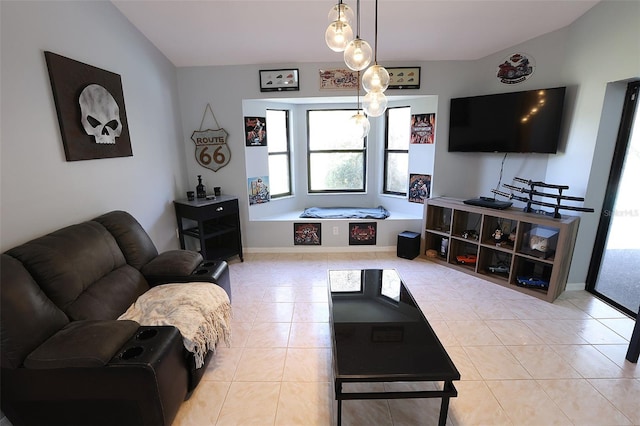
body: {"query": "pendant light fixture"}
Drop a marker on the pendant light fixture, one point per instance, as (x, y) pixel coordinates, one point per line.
(375, 103)
(338, 35)
(341, 12)
(358, 53)
(359, 123)
(339, 32)
(375, 81)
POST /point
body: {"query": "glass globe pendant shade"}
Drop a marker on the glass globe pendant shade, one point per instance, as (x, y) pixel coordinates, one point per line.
(344, 11)
(357, 54)
(359, 125)
(338, 35)
(375, 79)
(375, 104)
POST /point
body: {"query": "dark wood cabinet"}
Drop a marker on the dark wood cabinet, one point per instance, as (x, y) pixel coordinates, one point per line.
(214, 223)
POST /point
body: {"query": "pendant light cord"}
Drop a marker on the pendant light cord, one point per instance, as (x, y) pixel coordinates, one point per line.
(357, 37)
(375, 56)
(358, 91)
(358, 20)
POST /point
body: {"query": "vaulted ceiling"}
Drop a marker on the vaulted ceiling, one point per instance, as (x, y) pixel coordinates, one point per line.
(238, 32)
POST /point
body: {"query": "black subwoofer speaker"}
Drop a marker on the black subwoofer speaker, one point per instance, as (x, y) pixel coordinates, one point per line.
(408, 244)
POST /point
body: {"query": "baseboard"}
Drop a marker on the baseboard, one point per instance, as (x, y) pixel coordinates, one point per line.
(320, 249)
(575, 286)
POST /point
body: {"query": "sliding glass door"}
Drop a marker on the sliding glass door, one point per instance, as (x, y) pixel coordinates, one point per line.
(614, 272)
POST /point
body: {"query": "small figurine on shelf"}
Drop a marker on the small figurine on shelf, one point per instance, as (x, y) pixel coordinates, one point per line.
(200, 190)
(497, 235)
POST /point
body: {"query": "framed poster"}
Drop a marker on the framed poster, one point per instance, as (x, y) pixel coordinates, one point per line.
(362, 233)
(404, 78)
(279, 80)
(255, 130)
(338, 79)
(90, 107)
(307, 234)
(419, 188)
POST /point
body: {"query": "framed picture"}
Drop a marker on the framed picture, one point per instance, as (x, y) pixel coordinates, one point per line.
(419, 188)
(255, 130)
(338, 79)
(90, 106)
(307, 234)
(362, 233)
(404, 78)
(279, 80)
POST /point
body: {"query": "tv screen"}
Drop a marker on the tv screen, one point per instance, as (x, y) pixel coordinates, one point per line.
(526, 121)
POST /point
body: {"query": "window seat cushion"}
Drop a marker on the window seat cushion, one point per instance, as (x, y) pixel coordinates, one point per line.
(345, 212)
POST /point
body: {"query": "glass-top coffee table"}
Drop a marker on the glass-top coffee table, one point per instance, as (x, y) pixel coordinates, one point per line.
(380, 335)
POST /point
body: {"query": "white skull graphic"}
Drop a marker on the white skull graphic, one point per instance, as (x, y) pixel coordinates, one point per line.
(100, 114)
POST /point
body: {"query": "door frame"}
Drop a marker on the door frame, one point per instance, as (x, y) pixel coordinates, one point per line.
(615, 174)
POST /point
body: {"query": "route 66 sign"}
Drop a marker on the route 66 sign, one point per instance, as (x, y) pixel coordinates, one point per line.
(212, 150)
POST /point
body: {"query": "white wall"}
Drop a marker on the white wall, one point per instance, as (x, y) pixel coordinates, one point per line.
(41, 191)
(600, 59)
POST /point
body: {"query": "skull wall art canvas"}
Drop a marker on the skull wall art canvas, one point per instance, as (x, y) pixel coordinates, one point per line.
(91, 112)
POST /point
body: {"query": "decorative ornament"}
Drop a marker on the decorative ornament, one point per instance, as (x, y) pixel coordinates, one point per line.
(515, 68)
(201, 192)
(212, 150)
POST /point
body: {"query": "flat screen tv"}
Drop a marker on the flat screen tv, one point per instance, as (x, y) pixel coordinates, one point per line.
(527, 121)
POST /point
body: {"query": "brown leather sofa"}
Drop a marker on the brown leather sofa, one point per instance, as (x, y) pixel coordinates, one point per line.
(65, 358)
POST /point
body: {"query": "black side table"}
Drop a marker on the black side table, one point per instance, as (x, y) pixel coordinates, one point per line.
(214, 223)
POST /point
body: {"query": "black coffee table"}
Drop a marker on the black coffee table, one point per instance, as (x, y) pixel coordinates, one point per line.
(380, 335)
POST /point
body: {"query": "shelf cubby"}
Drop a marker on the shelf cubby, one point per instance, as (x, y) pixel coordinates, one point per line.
(466, 225)
(491, 262)
(440, 220)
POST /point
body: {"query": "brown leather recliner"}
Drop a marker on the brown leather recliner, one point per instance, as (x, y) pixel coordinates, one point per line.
(65, 358)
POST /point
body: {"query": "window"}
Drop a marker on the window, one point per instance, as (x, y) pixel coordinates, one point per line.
(279, 153)
(396, 150)
(336, 161)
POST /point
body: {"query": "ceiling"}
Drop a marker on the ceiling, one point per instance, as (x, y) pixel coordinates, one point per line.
(240, 32)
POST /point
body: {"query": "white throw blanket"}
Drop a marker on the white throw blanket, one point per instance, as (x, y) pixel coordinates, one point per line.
(200, 310)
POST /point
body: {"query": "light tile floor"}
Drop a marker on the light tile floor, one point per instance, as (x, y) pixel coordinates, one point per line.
(523, 361)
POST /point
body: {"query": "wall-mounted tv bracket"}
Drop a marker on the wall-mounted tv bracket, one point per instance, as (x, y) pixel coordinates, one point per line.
(531, 191)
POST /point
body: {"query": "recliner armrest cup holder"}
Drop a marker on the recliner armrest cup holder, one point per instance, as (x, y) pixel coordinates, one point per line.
(146, 346)
(146, 333)
(211, 268)
(131, 352)
(143, 334)
(216, 271)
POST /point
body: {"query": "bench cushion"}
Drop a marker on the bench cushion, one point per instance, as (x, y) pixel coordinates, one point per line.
(345, 213)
